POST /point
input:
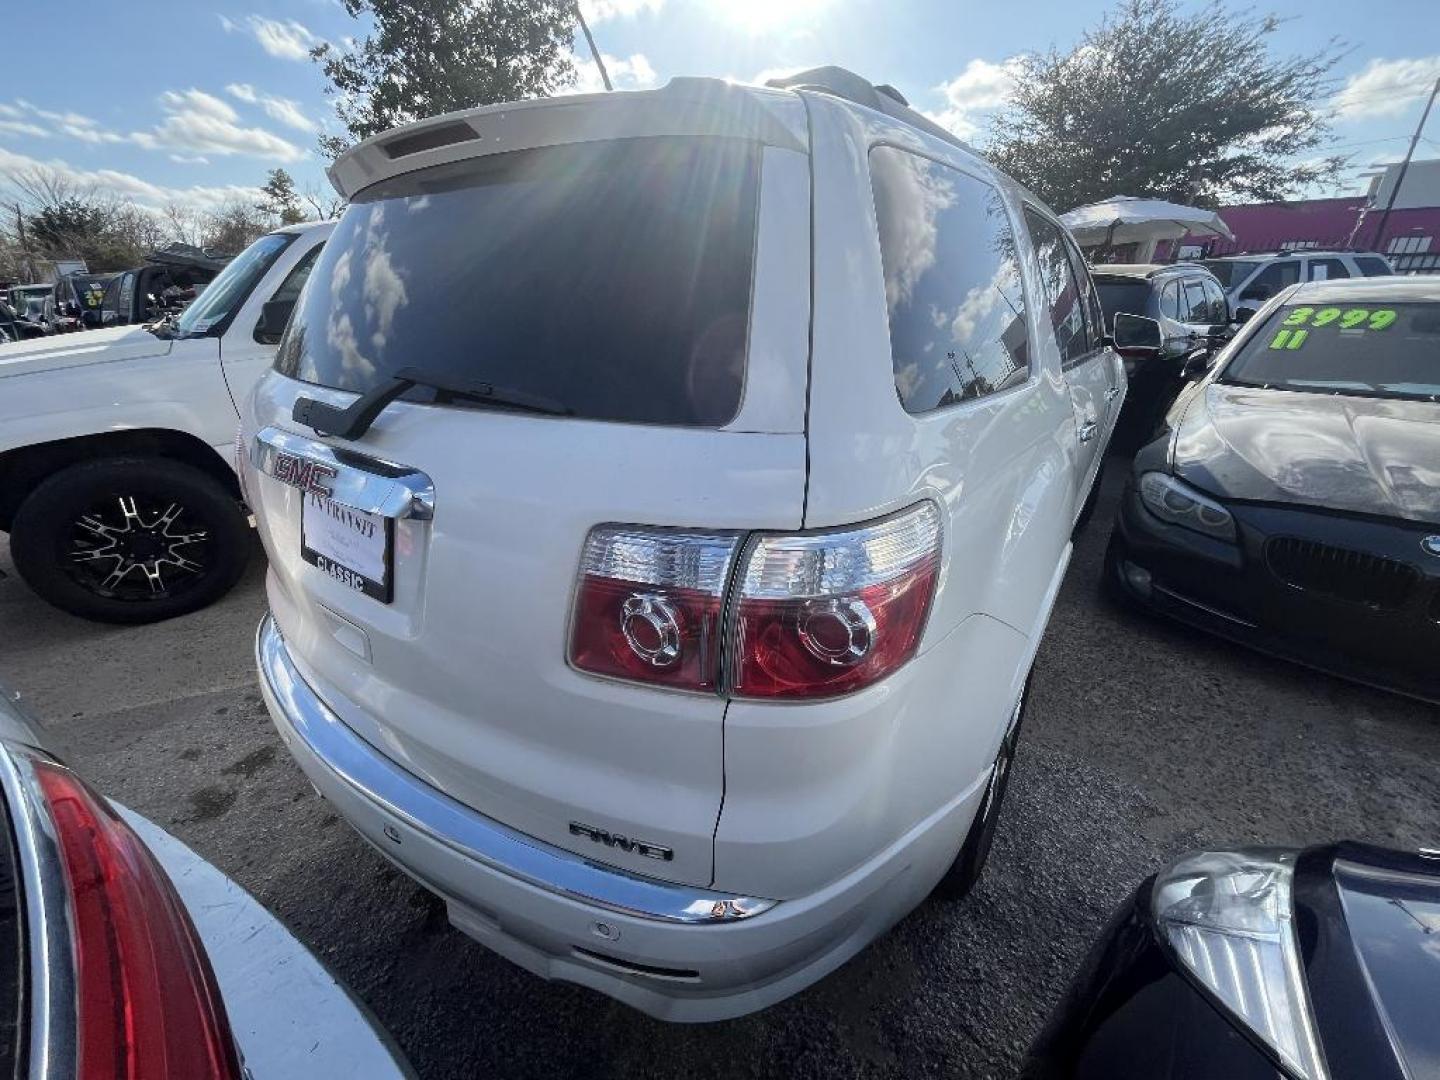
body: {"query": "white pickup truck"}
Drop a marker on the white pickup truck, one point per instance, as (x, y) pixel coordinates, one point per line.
(116, 477)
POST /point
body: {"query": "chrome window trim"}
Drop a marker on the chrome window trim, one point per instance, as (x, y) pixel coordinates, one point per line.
(411, 494)
(45, 900)
(435, 815)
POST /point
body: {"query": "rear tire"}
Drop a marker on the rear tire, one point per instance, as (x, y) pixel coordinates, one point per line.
(130, 540)
(964, 872)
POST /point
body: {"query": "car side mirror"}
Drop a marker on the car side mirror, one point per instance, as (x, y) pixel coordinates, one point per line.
(1136, 337)
(273, 317)
(1243, 315)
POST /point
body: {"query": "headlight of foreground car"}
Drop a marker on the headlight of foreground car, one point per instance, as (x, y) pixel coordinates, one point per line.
(1229, 917)
(1178, 503)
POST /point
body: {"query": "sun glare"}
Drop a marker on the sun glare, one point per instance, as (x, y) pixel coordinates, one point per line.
(758, 16)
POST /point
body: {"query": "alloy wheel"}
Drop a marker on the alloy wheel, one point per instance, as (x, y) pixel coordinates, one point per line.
(136, 548)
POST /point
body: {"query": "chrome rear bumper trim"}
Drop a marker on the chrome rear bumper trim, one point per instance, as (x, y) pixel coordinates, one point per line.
(434, 814)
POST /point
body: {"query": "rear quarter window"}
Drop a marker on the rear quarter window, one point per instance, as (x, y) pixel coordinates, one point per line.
(952, 282)
(613, 277)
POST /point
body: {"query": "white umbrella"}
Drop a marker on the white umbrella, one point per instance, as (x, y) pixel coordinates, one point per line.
(1125, 219)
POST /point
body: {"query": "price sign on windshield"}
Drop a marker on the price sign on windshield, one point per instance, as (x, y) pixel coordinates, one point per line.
(1301, 321)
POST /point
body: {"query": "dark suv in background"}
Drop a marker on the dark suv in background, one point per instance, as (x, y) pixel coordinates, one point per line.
(1190, 306)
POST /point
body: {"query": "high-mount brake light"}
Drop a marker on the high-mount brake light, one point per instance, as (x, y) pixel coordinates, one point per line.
(147, 1004)
(824, 614)
(650, 603)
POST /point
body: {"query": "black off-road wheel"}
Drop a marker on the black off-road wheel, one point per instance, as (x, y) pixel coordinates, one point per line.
(964, 872)
(130, 540)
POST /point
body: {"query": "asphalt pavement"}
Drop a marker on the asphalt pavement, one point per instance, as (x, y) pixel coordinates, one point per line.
(1143, 740)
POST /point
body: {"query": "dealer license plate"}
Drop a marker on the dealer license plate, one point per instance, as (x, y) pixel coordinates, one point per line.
(351, 546)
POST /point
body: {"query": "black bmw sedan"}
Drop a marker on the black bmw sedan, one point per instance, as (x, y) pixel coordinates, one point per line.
(1290, 500)
(1260, 964)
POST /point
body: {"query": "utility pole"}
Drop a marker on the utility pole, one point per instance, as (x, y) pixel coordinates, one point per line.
(1404, 167)
(599, 63)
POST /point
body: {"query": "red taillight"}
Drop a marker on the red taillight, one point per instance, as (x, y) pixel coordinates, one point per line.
(649, 606)
(814, 615)
(146, 1000)
(821, 615)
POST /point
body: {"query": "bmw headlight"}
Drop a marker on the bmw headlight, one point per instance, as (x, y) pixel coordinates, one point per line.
(1229, 917)
(1180, 504)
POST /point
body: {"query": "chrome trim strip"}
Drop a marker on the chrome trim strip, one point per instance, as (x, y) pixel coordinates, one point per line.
(410, 494)
(370, 774)
(46, 904)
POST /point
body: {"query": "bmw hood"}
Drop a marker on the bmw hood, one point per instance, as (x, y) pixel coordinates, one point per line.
(72, 350)
(1363, 455)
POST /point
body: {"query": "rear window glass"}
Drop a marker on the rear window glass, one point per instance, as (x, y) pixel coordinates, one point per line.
(612, 277)
(1130, 297)
(1361, 348)
(952, 282)
(1373, 266)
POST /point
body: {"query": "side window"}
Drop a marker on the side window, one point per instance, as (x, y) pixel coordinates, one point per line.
(1062, 295)
(952, 282)
(1170, 301)
(1274, 277)
(1327, 270)
(1372, 266)
(1089, 296)
(1197, 303)
(299, 274)
(1219, 308)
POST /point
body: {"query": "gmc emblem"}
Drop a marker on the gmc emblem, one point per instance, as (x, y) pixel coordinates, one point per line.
(309, 476)
(624, 843)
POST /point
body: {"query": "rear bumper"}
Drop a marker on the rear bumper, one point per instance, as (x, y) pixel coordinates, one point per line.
(676, 952)
(1230, 590)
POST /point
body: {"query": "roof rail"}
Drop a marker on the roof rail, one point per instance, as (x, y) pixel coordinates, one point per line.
(843, 83)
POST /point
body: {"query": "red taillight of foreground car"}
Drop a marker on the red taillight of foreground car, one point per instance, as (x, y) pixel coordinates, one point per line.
(820, 615)
(649, 605)
(146, 1000)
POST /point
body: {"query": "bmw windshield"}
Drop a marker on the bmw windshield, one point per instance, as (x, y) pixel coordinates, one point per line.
(1361, 349)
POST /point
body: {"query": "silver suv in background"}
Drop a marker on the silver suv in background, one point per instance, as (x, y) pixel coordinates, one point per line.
(1251, 280)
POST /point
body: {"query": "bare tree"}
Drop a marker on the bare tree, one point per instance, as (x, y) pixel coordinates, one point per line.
(183, 224)
(326, 205)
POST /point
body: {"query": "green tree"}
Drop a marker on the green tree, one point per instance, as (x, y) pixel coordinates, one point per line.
(279, 199)
(1191, 106)
(426, 57)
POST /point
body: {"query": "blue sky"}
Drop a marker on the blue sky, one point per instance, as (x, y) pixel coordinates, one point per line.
(194, 103)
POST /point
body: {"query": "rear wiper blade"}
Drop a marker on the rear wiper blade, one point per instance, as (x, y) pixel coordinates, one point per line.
(354, 420)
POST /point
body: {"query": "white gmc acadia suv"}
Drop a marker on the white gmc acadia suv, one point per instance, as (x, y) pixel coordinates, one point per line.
(665, 495)
(116, 446)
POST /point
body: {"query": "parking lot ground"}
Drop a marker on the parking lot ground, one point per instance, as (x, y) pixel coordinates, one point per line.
(1142, 740)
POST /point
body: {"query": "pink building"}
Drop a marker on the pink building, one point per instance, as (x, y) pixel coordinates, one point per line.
(1353, 222)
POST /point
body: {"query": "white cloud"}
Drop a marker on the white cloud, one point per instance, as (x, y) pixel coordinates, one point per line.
(128, 186)
(597, 11)
(284, 110)
(200, 123)
(980, 88)
(70, 124)
(22, 127)
(629, 73)
(282, 38)
(1386, 87)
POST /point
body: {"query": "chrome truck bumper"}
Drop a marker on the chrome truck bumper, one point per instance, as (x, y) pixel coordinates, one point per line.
(676, 952)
